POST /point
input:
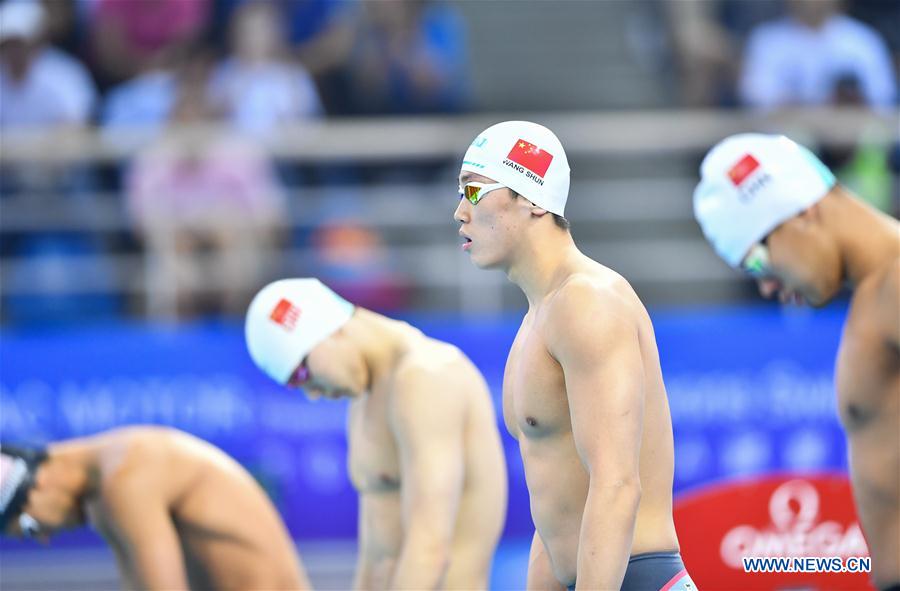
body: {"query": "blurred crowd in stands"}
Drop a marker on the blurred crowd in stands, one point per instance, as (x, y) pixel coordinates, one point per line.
(206, 209)
(769, 55)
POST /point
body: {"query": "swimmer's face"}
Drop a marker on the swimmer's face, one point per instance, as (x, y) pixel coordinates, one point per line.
(334, 369)
(52, 506)
(490, 228)
(804, 263)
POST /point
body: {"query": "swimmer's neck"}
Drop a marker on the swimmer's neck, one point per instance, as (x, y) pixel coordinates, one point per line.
(382, 341)
(868, 239)
(543, 262)
(72, 468)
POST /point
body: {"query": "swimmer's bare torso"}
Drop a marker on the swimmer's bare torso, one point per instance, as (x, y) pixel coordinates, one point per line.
(426, 459)
(868, 390)
(538, 412)
(178, 513)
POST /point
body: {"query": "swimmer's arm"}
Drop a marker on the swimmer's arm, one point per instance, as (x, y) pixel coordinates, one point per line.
(363, 578)
(888, 309)
(140, 522)
(592, 334)
(540, 572)
(427, 418)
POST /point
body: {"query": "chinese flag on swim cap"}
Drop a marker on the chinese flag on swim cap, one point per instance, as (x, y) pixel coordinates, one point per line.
(744, 167)
(531, 157)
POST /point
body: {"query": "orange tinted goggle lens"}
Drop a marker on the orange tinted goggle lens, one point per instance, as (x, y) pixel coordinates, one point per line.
(471, 193)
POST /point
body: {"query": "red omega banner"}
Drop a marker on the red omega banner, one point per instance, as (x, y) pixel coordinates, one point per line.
(788, 518)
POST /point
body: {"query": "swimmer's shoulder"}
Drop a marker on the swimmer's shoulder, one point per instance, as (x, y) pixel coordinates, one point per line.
(595, 290)
(589, 307)
(877, 299)
(149, 457)
(434, 357)
(889, 301)
(428, 364)
(438, 373)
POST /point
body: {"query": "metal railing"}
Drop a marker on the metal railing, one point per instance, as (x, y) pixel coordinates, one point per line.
(639, 223)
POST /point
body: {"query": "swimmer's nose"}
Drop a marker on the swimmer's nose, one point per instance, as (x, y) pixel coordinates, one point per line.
(461, 214)
(768, 287)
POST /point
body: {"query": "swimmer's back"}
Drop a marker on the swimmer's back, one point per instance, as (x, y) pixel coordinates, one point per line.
(229, 531)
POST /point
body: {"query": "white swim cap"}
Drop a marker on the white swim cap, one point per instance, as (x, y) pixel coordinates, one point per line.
(287, 319)
(526, 157)
(20, 19)
(749, 184)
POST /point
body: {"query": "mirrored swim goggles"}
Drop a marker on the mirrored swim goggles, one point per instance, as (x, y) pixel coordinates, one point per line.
(475, 192)
(300, 376)
(757, 263)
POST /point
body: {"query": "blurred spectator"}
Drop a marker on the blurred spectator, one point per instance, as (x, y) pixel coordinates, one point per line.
(407, 57)
(352, 259)
(61, 25)
(130, 37)
(257, 88)
(884, 16)
(145, 103)
(207, 207)
(797, 60)
(705, 53)
(41, 88)
(317, 30)
(864, 166)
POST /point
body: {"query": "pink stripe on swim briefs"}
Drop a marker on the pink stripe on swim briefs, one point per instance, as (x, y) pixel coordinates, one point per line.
(674, 580)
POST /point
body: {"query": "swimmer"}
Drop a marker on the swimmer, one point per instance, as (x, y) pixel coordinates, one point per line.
(770, 208)
(583, 391)
(424, 450)
(177, 512)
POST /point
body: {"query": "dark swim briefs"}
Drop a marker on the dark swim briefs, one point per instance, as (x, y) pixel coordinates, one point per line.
(656, 571)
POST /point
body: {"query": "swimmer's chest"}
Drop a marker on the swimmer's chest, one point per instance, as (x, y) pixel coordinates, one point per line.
(867, 370)
(534, 388)
(373, 459)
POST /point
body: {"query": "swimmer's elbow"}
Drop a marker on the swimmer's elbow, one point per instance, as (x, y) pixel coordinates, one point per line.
(631, 490)
(626, 489)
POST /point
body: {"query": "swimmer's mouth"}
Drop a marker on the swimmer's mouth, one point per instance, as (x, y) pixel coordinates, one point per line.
(467, 242)
(791, 297)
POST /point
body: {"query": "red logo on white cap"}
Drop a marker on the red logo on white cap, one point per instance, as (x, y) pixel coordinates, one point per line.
(286, 314)
(531, 157)
(744, 168)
